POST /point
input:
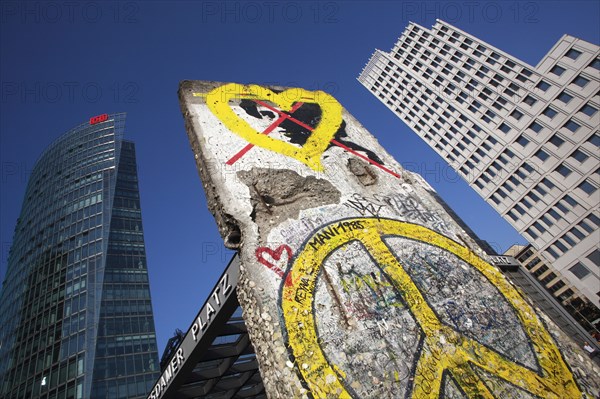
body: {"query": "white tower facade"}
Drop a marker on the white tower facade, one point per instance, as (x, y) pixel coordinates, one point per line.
(526, 138)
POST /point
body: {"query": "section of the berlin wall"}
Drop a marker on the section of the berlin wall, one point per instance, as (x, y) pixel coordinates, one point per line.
(354, 281)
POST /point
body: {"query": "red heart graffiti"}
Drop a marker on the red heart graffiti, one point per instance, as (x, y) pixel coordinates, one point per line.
(275, 254)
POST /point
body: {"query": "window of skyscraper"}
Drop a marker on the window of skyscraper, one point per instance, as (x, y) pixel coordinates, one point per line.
(594, 257)
(557, 70)
(557, 141)
(546, 182)
(543, 85)
(594, 219)
(588, 110)
(504, 128)
(579, 156)
(550, 112)
(517, 114)
(595, 63)
(577, 233)
(522, 140)
(489, 115)
(547, 221)
(536, 127)
(531, 233)
(579, 270)
(565, 97)
(542, 155)
(594, 139)
(540, 190)
(533, 197)
(521, 173)
(563, 170)
(526, 203)
(529, 100)
(587, 187)
(522, 78)
(538, 226)
(573, 54)
(585, 226)
(569, 200)
(541, 270)
(581, 81)
(562, 247)
(511, 93)
(572, 125)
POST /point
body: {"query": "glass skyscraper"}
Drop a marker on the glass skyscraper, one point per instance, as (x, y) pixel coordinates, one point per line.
(75, 312)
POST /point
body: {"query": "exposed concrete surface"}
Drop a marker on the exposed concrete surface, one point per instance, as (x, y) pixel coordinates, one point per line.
(281, 194)
(355, 282)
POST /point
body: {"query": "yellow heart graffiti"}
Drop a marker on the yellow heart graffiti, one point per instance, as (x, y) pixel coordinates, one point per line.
(310, 153)
(458, 354)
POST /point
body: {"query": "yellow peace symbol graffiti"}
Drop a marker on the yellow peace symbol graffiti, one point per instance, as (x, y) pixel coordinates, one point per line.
(456, 354)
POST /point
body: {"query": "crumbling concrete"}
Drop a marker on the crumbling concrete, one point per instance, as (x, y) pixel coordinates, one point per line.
(355, 282)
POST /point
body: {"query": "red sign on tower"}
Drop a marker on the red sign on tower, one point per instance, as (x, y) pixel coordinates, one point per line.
(98, 119)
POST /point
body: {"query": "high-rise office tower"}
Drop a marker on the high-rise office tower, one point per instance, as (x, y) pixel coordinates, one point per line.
(524, 137)
(75, 313)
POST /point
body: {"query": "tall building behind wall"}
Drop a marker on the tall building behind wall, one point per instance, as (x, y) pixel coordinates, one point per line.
(75, 312)
(525, 138)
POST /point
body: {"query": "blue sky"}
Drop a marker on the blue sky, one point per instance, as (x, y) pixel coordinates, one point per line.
(63, 62)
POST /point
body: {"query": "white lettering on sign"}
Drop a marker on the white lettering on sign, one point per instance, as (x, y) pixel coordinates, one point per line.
(168, 374)
(506, 260)
(218, 296)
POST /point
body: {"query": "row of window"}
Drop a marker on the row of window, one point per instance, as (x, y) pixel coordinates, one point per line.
(479, 50)
(537, 125)
(21, 377)
(126, 325)
(446, 116)
(559, 70)
(572, 237)
(482, 71)
(126, 292)
(57, 161)
(86, 211)
(123, 388)
(523, 140)
(126, 307)
(110, 346)
(540, 270)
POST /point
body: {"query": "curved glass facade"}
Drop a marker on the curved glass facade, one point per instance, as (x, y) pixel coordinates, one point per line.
(75, 311)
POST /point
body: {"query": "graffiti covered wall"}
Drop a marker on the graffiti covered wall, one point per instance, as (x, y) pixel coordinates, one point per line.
(355, 283)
